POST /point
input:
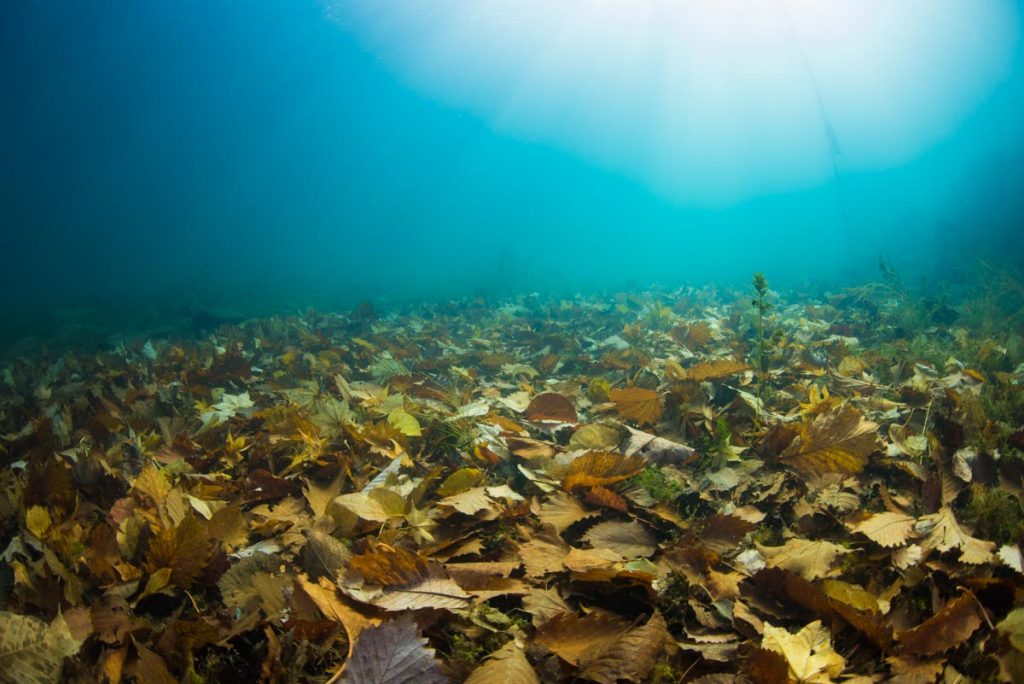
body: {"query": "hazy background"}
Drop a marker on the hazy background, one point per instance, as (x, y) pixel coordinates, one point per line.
(265, 154)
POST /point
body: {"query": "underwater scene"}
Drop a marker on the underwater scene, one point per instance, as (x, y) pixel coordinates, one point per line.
(512, 341)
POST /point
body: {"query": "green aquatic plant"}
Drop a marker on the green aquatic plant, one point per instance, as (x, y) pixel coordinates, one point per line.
(995, 514)
(762, 307)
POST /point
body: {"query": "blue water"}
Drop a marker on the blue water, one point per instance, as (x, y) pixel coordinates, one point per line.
(266, 155)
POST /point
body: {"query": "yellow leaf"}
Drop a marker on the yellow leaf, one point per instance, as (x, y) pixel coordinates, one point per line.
(404, 422)
(37, 521)
(637, 404)
(808, 653)
(507, 665)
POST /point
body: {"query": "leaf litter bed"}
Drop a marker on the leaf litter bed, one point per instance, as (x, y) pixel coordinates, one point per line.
(657, 487)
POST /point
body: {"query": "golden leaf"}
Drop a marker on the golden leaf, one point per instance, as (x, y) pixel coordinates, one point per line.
(37, 521)
(836, 442)
(637, 404)
(944, 534)
(599, 468)
(561, 510)
(716, 369)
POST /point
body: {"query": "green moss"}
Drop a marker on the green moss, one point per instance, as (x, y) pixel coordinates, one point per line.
(995, 514)
(466, 650)
(659, 485)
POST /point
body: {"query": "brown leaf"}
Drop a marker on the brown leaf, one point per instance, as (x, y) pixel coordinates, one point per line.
(627, 540)
(551, 406)
(715, 369)
(570, 636)
(507, 665)
(721, 533)
(543, 553)
(836, 442)
(640, 405)
(630, 657)
(605, 498)
(599, 468)
(947, 629)
(392, 653)
(339, 608)
(184, 549)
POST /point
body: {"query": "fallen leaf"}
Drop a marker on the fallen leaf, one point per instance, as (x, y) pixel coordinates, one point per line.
(715, 369)
(835, 442)
(32, 651)
(625, 539)
(600, 468)
(392, 653)
(551, 407)
(947, 629)
(640, 405)
(507, 665)
(887, 529)
(808, 653)
(809, 559)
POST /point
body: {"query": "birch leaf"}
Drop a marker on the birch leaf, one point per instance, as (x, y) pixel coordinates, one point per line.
(886, 529)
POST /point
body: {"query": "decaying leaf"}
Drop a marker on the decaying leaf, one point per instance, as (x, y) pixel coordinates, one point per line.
(570, 636)
(392, 653)
(835, 442)
(944, 534)
(32, 651)
(643, 406)
(625, 539)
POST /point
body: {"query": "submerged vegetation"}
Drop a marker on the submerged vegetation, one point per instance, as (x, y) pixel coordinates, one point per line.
(653, 487)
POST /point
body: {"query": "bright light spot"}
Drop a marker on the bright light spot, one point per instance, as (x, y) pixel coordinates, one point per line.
(707, 101)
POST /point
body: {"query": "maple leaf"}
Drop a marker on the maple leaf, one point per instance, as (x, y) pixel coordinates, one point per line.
(808, 653)
(507, 665)
(887, 529)
(551, 407)
(836, 442)
(392, 653)
(643, 406)
(599, 468)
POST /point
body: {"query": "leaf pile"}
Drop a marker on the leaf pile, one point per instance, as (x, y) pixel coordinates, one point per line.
(541, 491)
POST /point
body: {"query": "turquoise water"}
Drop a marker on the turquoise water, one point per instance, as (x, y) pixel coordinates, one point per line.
(161, 158)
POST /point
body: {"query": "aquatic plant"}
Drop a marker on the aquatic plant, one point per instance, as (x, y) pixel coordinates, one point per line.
(762, 342)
